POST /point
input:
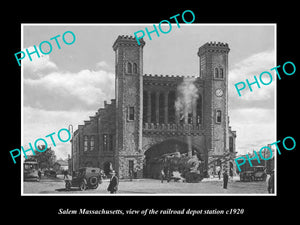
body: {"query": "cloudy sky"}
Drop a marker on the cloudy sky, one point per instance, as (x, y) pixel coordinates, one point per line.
(70, 84)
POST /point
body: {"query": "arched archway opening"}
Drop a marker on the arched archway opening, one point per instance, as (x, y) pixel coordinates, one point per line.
(88, 164)
(155, 156)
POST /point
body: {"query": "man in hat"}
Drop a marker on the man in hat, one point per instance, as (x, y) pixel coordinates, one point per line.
(162, 175)
(271, 183)
(113, 184)
(225, 179)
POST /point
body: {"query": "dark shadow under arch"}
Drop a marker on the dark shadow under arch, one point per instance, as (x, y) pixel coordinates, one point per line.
(153, 155)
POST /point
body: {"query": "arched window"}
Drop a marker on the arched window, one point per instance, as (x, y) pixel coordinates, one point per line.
(171, 106)
(153, 107)
(218, 116)
(85, 143)
(145, 107)
(92, 143)
(129, 67)
(161, 101)
(135, 68)
(221, 73)
(216, 73)
(105, 142)
(230, 144)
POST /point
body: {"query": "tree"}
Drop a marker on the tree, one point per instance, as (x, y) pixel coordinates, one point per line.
(45, 159)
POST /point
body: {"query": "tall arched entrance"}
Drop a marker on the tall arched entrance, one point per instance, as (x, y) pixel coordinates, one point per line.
(154, 156)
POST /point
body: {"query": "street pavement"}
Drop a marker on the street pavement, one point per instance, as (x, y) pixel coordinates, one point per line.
(56, 186)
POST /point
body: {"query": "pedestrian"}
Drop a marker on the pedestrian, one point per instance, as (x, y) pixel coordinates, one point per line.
(134, 172)
(113, 184)
(130, 174)
(231, 173)
(66, 174)
(225, 179)
(271, 183)
(162, 175)
(169, 175)
(40, 173)
(219, 174)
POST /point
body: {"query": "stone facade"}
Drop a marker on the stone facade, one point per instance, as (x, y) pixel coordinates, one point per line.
(153, 115)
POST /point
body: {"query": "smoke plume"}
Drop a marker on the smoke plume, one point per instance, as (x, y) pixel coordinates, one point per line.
(187, 95)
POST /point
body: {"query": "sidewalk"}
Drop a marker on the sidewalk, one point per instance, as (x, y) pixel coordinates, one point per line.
(211, 179)
(234, 178)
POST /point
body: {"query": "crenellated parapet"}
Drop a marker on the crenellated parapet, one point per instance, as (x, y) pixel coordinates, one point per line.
(127, 40)
(167, 80)
(100, 112)
(168, 76)
(106, 106)
(214, 47)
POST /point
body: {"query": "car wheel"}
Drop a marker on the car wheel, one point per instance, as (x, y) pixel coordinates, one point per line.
(93, 181)
(83, 186)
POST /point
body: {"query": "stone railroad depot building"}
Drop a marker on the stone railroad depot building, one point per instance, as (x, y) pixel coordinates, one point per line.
(152, 115)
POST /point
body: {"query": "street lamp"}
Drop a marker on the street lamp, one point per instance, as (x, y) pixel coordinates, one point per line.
(70, 128)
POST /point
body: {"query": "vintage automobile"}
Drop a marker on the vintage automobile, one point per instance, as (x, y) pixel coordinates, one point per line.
(256, 174)
(259, 173)
(84, 178)
(246, 175)
(31, 169)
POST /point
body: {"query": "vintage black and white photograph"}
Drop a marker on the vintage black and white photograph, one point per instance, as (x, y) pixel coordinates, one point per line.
(108, 112)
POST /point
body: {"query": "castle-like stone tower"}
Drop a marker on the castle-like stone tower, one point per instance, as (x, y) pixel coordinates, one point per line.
(154, 115)
(214, 72)
(129, 102)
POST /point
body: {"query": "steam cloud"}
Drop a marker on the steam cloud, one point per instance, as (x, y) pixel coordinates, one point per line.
(187, 95)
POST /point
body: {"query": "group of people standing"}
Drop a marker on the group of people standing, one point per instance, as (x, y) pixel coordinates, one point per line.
(165, 176)
(114, 181)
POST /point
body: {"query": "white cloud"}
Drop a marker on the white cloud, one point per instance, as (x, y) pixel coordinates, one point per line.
(247, 69)
(103, 65)
(85, 89)
(38, 123)
(38, 65)
(252, 114)
(54, 99)
(256, 127)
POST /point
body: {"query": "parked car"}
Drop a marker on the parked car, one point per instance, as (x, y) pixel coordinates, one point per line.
(256, 174)
(84, 178)
(31, 171)
(246, 175)
(259, 173)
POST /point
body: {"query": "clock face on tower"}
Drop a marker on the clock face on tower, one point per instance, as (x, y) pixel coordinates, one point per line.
(219, 92)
